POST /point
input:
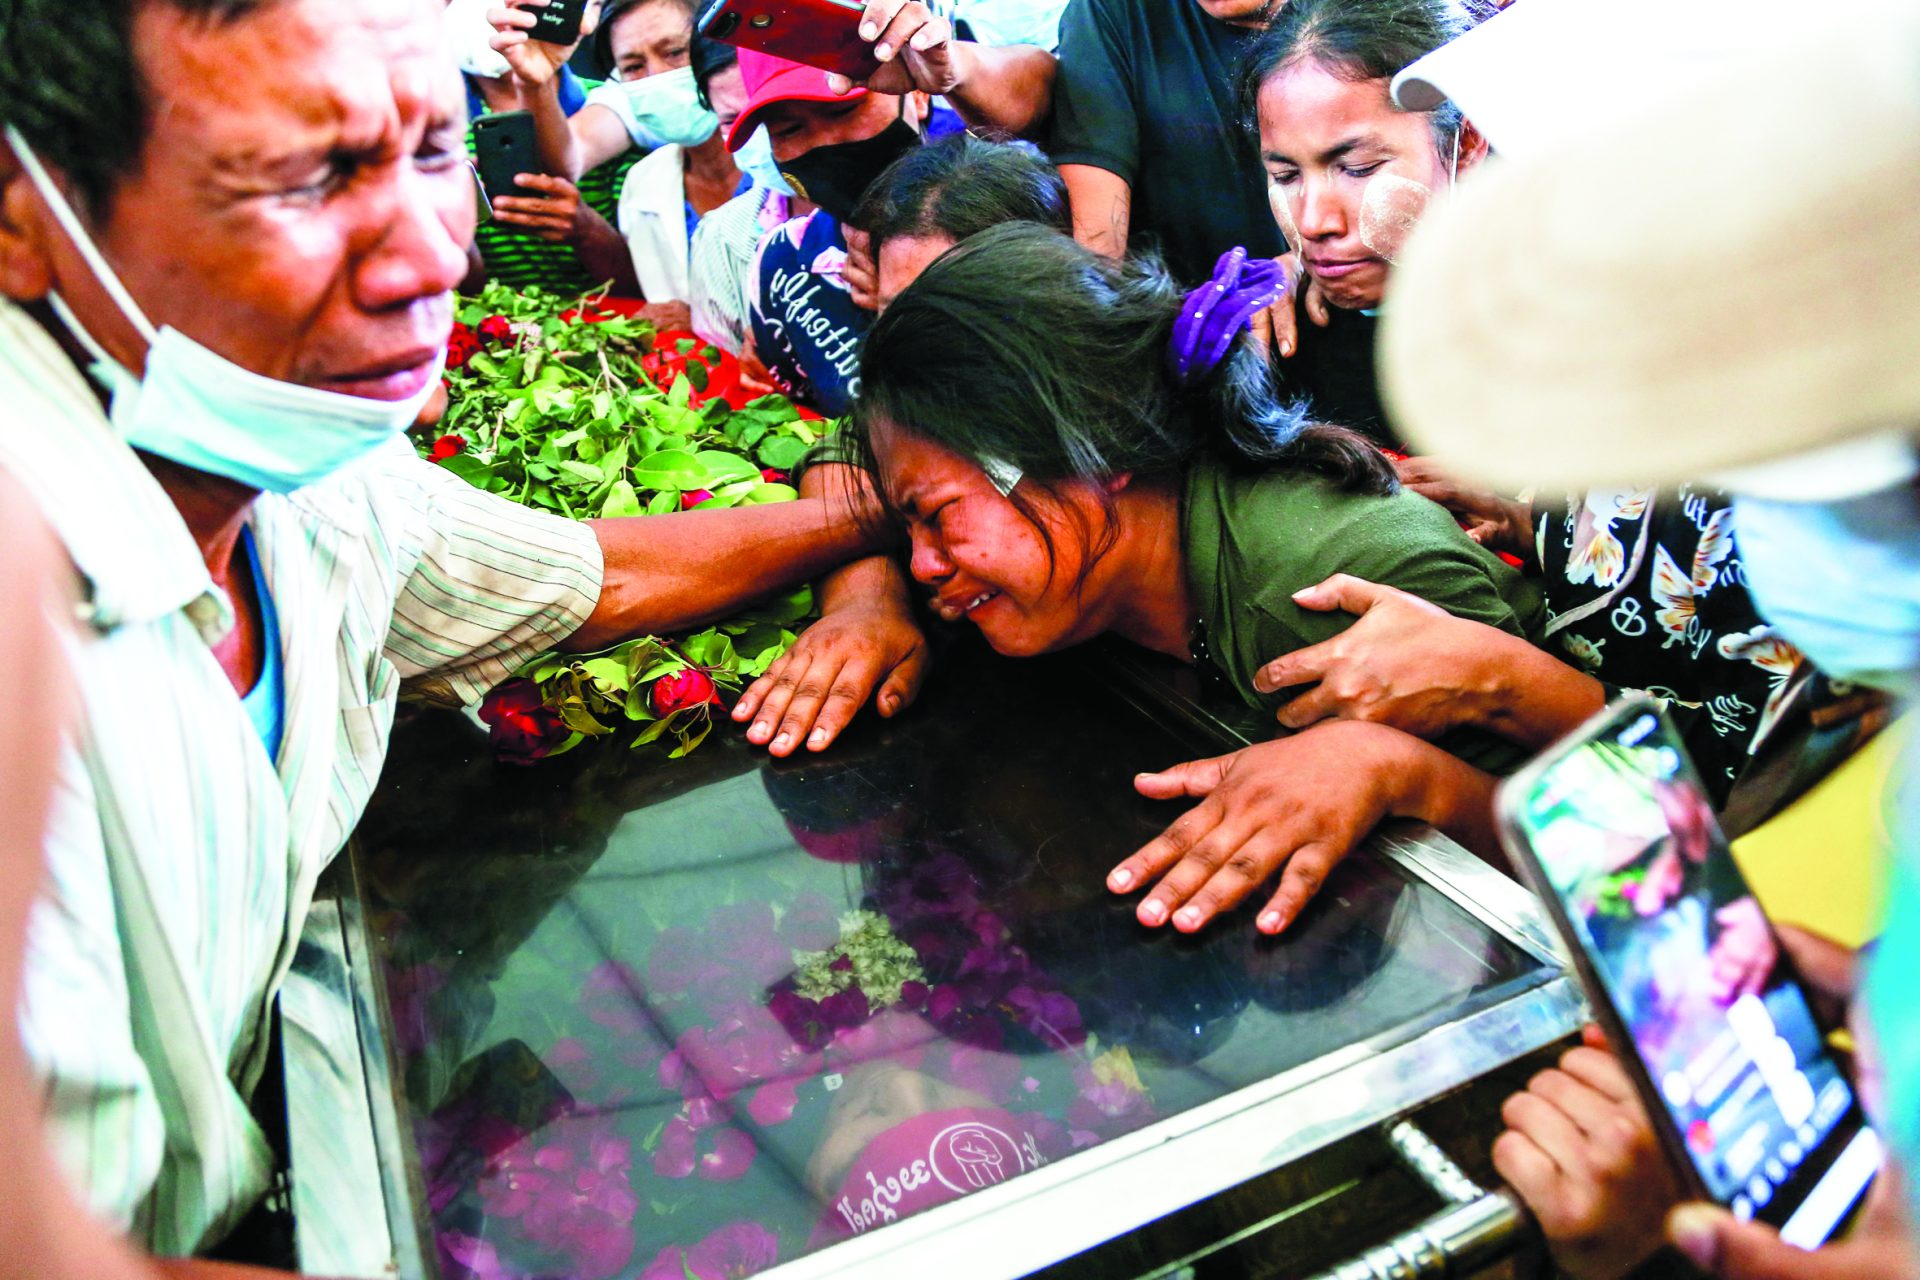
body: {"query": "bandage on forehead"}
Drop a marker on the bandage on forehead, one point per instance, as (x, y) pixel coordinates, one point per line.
(1001, 474)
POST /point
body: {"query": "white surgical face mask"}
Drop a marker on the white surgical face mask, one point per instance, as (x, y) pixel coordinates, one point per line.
(755, 159)
(201, 410)
(471, 37)
(667, 106)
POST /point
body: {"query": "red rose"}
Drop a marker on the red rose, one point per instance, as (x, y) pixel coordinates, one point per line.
(462, 345)
(445, 447)
(496, 329)
(521, 726)
(694, 497)
(773, 475)
(688, 688)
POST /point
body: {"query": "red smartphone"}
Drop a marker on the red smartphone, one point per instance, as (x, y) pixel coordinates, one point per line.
(818, 33)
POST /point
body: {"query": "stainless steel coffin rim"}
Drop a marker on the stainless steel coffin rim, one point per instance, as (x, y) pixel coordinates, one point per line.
(1052, 1213)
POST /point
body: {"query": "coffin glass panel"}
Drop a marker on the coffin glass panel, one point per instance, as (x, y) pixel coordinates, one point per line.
(658, 1019)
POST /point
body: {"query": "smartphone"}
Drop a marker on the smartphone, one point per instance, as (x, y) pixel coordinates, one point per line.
(1614, 832)
(559, 22)
(504, 147)
(819, 33)
(482, 206)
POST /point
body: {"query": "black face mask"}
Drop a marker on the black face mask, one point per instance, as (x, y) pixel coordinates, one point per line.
(835, 177)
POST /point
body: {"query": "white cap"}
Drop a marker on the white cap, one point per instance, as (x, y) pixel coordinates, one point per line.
(1724, 277)
(1541, 72)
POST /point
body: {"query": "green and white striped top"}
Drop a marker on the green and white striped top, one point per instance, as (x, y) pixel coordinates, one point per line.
(518, 258)
(181, 859)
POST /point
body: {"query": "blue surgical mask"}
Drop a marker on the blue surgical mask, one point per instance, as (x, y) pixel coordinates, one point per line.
(201, 410)
(1892, 997)
(661, 108)
(755, 159)
(1841, 580)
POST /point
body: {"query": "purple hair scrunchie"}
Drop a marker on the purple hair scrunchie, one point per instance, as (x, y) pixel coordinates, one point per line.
(1214, 315)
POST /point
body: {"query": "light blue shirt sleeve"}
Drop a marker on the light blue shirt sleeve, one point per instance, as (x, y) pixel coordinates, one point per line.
(613, 96)
(1003, 22)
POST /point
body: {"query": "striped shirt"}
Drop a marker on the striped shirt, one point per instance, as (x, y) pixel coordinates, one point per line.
(721, 264)
(181, 859)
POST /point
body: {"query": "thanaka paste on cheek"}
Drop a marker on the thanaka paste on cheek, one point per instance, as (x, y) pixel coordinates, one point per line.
(1283, 214)
(1390, 207)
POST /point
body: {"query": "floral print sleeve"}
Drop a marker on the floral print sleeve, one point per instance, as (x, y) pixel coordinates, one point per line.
(1645, 591)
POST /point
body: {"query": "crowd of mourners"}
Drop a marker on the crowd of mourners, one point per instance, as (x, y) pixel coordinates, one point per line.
(1183, 321)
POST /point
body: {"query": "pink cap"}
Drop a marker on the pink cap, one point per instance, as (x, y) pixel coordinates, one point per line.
(926, 1161)
(770, 80)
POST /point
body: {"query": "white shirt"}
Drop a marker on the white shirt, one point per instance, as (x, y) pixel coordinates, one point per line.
(653, 217)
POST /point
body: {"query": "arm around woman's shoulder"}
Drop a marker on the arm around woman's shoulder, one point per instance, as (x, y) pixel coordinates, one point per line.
(1415, 545)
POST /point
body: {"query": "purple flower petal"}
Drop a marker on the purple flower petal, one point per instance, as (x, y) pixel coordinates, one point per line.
(676, 1155)
(704, 1113)
(478, 1257)
(734, 1251)
(773, 1104)
(848, 1008)
(732, 1155)
(599, 1248)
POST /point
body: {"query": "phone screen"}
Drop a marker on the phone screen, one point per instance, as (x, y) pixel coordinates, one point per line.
(1628, 842)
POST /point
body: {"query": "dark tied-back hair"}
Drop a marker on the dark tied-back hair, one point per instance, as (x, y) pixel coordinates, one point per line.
(958, 187)
(68, 82)
(1357, 40)
(1024, 347)
(709, 57)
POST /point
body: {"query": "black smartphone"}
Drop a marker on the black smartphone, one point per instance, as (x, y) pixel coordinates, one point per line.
(559, 22)
(1613, 830)
(504, 147)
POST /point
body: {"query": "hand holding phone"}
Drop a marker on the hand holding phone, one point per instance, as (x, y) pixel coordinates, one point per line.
(918, 49)
(504, 147)
(1615, 833)
(527, 33)
(1581, 1152)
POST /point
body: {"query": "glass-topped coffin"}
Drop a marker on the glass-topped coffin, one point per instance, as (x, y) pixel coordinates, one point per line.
(705, 1017)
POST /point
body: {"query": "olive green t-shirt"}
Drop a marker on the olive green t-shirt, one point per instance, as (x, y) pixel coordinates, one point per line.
(1254, 536)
